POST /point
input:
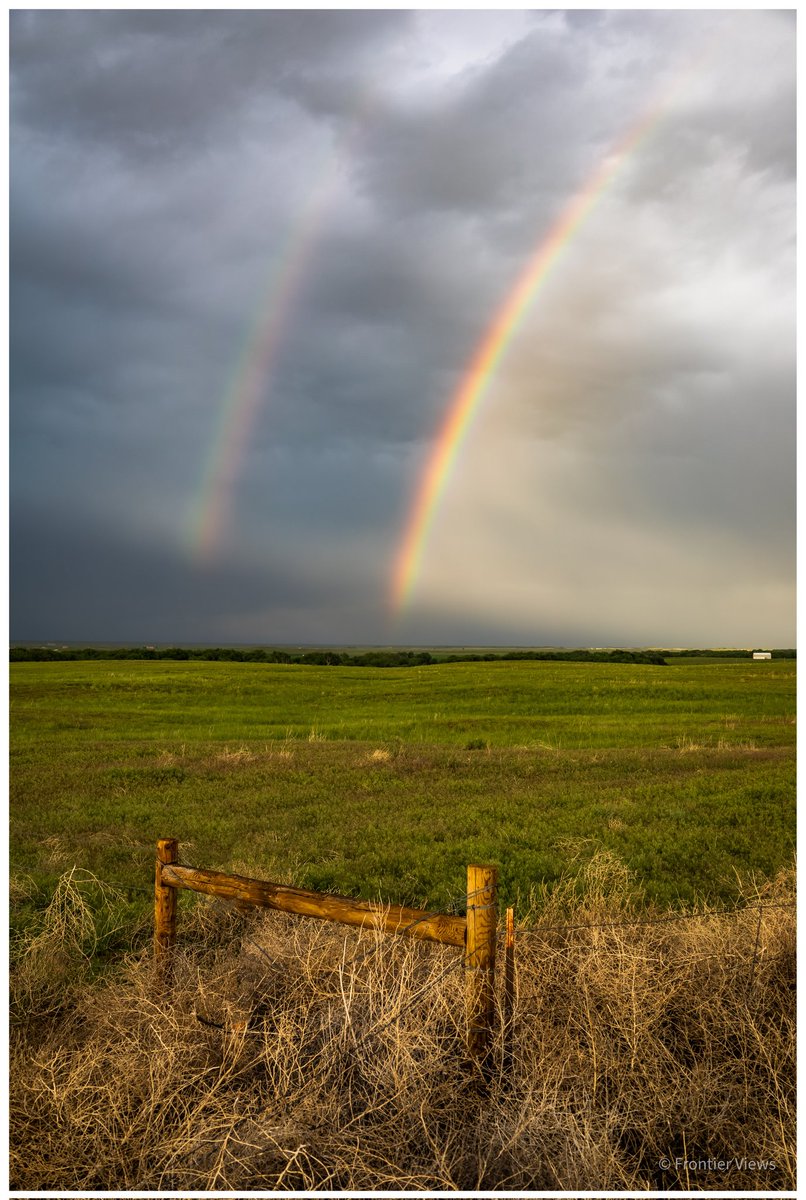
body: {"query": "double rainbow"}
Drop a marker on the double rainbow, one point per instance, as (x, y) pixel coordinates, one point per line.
(490, 350)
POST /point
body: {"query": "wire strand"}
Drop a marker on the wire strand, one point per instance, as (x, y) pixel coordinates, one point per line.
(724, 912)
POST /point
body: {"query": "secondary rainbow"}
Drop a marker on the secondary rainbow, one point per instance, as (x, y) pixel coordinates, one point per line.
(245, 394)
(489, 352)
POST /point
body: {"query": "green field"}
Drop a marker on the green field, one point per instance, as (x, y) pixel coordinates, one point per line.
(387, 782)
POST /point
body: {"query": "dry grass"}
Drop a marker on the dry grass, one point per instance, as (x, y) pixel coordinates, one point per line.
(333, 1060)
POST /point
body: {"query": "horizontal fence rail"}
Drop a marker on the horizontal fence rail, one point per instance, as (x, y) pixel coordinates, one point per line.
(392, 918)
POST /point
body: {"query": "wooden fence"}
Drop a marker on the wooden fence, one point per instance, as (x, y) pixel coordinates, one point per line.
(475, 933)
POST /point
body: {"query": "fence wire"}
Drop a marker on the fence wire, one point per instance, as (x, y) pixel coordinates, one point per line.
(454, 907)
(706, 914)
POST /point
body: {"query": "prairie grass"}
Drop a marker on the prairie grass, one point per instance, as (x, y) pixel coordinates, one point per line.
(389, 782)
(403, 822)
(563, 705)
(298, 1055)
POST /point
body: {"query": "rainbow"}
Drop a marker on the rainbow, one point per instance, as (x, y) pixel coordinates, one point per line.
(489, 352)
(243, 397)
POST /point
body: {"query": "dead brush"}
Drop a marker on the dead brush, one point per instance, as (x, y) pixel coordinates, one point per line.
(50, 962)
(300, 1055)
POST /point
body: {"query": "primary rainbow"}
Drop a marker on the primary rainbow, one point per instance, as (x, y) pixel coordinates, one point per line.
(489, 352)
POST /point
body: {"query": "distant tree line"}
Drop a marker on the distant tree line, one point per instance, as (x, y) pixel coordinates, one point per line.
(726, 653)
(622, 656)
(329, 658)
(321, 658)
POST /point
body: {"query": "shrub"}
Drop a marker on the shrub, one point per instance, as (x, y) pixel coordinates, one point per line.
(296, 1054)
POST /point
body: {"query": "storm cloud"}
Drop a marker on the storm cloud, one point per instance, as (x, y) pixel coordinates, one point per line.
(253, 253)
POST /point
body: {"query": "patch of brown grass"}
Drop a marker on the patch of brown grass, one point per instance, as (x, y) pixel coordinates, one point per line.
(299, 1055)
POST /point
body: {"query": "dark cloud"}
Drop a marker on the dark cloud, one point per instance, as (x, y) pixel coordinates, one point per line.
(253, 254)
(165, 84)
(116, 587)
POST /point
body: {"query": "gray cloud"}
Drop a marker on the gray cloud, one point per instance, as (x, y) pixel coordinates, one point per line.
(165, 84)
(340, 203)
(121, 588)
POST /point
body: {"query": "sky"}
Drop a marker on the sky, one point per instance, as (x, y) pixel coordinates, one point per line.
(255, 255)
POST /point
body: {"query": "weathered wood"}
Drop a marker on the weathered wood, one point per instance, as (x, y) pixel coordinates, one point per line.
(509, 989)
(392, 918)
(479, 960)
(164, 907)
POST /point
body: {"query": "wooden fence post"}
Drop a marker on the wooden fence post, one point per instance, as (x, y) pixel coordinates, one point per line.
(509, 990)
(164, 909)
(480, 960)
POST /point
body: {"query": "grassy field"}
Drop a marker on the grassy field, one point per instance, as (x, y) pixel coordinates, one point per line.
(387, 782)
(305, 1055)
